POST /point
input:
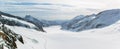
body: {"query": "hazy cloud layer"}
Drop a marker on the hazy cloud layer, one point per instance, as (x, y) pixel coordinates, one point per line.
(33, 3)
(56, 9)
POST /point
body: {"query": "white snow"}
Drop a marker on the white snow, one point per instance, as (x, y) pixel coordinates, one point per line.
(104, 38)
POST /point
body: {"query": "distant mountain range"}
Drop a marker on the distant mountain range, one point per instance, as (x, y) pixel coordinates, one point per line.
(79, 23)
(44, 23)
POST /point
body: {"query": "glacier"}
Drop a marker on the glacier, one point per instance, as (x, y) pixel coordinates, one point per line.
(104, 38)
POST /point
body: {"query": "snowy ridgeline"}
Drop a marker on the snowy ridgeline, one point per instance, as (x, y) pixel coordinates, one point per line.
(18, 21)
(100, 20)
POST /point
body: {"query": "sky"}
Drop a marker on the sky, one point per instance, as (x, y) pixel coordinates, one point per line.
(56, 9)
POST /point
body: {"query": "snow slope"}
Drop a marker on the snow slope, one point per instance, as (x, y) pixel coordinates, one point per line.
(104, 38)
(33, 39)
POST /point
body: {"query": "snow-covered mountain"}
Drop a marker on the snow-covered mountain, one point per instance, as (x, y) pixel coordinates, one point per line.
(69, 24)
(12, 20)
(44, 23)
(106, 18)
(77, 22)
(102, 19)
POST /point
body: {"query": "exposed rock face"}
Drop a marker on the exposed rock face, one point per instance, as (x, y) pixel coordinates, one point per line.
(9, 38)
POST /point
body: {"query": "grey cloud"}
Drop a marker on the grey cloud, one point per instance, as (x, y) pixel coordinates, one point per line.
(33, 3)
(43, 8)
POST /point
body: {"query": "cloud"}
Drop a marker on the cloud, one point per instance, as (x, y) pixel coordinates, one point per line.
(56, 9)
(34, 3)
(22, 3)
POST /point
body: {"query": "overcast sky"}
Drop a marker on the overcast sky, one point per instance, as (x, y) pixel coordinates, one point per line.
(56, 9)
